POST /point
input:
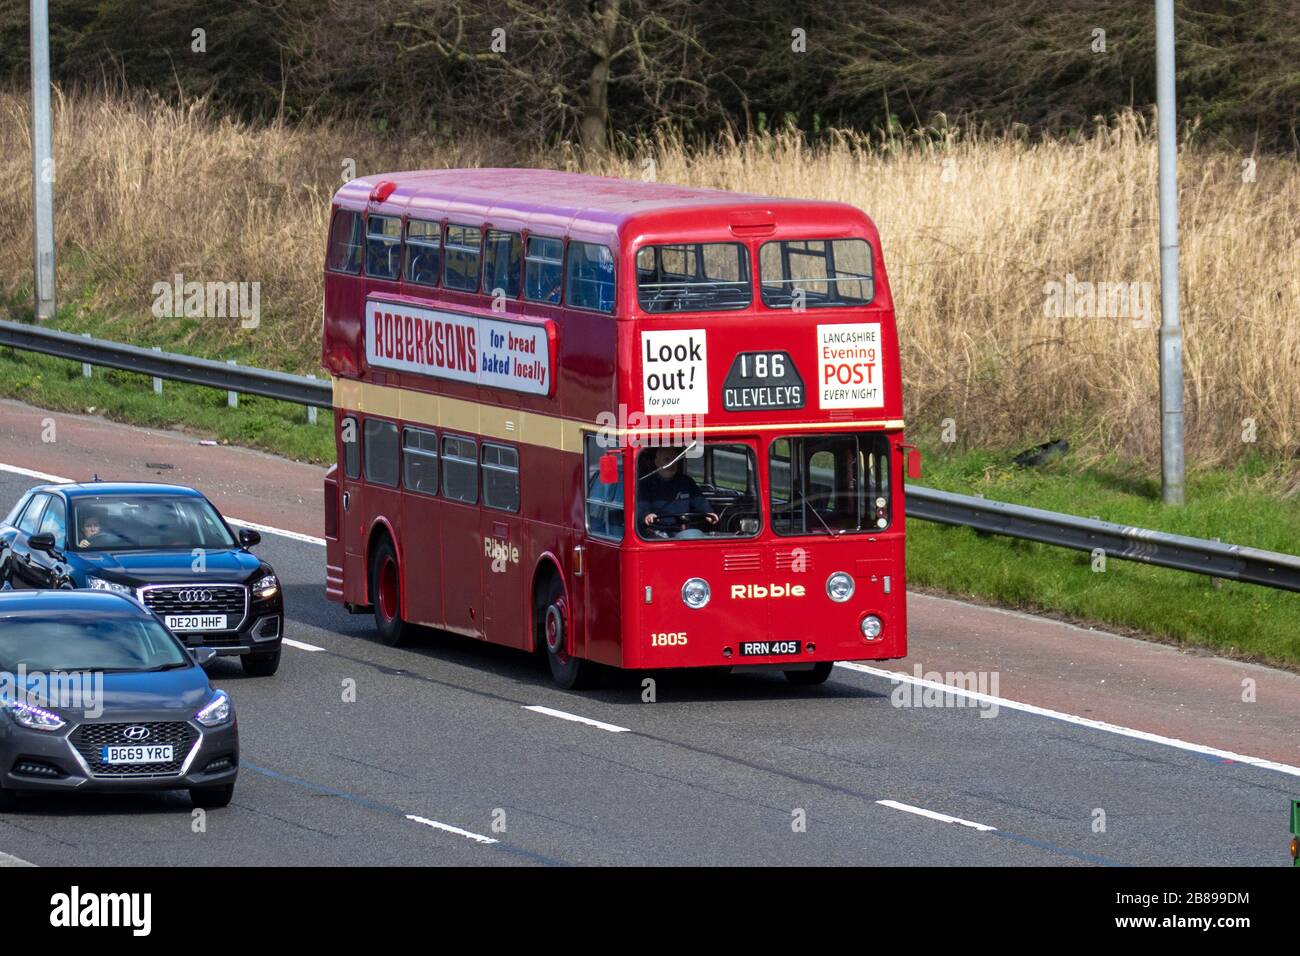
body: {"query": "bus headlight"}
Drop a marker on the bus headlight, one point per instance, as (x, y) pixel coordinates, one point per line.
(695, 593)
(839, 587)
(872, 626)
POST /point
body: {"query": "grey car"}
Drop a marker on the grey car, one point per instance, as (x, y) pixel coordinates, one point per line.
(97, 695)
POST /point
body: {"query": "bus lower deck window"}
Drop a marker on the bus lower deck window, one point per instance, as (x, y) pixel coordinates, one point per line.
(604, 501)
(420, 461)
(381, 452)
(351, 440)
(500, 477)
(693, 277)
(459, 469)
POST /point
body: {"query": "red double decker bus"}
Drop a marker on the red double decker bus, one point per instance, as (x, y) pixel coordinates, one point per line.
(615, 422)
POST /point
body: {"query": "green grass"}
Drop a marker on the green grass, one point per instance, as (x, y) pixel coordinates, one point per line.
(1251, 504)
(57, 384)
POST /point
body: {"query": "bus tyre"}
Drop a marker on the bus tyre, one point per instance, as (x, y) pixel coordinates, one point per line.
(818, 675)
(386, 595)
(568, 671)
(260, 665)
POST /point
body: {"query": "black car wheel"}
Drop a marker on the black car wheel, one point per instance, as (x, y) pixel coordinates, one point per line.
(260, 665)
(212, 798)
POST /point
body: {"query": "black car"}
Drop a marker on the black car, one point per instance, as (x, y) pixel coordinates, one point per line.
(164, 545)
(98, 696)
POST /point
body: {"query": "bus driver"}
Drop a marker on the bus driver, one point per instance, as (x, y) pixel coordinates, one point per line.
(668, 492)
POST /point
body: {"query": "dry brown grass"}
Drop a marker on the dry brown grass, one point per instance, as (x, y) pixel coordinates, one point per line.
(145, 190)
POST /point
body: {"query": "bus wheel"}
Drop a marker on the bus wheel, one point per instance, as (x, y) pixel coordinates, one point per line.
(386, 595)
(568, 671)
(818, 675)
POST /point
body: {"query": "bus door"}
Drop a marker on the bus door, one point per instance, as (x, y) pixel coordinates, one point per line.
(501, 549)
(605, 525)
(421, 526)
(462, 540)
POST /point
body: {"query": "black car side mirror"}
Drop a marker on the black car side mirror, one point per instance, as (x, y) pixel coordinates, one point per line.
(203, 655)
(41, 542)
(248, 537)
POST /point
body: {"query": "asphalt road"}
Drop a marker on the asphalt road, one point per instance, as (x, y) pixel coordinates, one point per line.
(439, 754)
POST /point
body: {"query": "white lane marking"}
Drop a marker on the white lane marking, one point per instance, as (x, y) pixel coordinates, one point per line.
(300, 645)
(1072, 719)
(265, 528)
(549, 712)
(476, 837)
(28, 473)
(8, 859)
(941, 817)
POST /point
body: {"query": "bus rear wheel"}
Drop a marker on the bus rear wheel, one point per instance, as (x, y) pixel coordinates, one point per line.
(386, 595)
(818, 675)
(551, 618)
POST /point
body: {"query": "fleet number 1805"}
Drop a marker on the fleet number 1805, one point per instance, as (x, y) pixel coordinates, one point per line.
(668, 639)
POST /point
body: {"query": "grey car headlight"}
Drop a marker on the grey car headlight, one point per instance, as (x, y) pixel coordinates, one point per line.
(216, 711)
(31, 716)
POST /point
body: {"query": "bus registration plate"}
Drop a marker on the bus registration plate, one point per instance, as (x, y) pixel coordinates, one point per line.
(769, 648)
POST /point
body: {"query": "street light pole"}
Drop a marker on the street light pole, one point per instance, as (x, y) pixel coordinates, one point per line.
(1171, 332)
(42, 164)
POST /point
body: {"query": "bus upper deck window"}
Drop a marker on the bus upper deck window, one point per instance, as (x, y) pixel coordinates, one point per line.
(423, 251)
(345, 243)
(544, 269)
(815, 273)
(693, 277)
(590, 277)
(464, 249)
(502, 258)
(383, 246)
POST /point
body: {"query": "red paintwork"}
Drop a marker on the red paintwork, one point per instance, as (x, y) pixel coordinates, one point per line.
(446, 580)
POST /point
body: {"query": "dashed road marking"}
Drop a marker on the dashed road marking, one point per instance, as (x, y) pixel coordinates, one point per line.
(551, 712)
(300, 645)
(935, 815)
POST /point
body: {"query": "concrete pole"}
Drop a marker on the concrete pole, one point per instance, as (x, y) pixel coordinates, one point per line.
(42, 164)
(1171, 331)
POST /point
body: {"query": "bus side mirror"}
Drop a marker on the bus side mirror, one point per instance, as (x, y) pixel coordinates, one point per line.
(609, 468)
(913, 462)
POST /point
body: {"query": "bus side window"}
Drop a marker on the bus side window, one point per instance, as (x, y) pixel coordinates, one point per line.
(381, 452)
(460, 264)
(544, 270)
(500, 477)
(604, 502)
(420, 461)
(423, 251)
(590, 277)
(383, 247)
(459, 469)
(502, 257)
(345, 243)
(351, 437)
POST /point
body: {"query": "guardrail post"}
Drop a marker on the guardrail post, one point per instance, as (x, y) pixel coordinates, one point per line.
(157, 382)
(311, 409)
(87, 370)
(232, 397)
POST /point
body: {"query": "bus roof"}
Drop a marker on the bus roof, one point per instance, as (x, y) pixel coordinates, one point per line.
(530, 195)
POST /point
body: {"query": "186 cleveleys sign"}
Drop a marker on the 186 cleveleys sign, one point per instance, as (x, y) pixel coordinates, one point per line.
(466, 348)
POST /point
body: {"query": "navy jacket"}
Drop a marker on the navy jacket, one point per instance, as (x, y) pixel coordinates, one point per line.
(670, 496)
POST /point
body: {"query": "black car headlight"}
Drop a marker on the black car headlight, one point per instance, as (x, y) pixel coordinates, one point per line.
(31, 716)
(102, 584)
(266, 587)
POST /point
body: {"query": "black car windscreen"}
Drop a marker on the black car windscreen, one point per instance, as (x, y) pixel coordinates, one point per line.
(146, 523)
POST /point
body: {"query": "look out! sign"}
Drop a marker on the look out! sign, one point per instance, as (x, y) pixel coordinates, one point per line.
(466, 348)
(849, 373)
